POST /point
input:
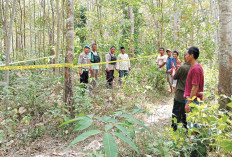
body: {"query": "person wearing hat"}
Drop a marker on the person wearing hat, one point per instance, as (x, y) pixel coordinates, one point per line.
(84, 71)
(123, 67)
(110, 67)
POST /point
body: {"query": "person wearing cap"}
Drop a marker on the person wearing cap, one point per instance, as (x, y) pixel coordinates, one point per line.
(94, 58)
(84, 71)
(123, 67)
(168, 68)
(110, 67)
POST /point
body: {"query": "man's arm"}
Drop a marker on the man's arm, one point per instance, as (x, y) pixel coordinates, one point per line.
(79, 63)
(162, 64)
(107, 60)
(89, 55)
(178, 74)
(192, 94)
(117, 64)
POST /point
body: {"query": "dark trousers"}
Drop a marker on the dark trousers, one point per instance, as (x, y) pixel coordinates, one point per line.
(110, 77)
(178, 112)
(84, 78)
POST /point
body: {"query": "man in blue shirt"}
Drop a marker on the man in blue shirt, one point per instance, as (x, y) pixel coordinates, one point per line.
(168, 67)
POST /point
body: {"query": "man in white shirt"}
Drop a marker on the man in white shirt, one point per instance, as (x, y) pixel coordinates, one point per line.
(161, 59)
(123, 67)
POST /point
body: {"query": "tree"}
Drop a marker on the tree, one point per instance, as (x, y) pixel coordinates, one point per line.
(225, 53)
(8, 37)
(58, 36)
(69, 56)
(132, 27)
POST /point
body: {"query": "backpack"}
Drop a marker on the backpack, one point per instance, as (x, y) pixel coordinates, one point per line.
(95, 59)
(113, 58)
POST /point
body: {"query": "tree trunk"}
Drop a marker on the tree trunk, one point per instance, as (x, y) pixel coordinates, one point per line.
(69, 56)
(34, 28)
(225, 54)
(44, 16)
(30, 26)
(9, 35)
(132, 29)
(24, 25)
(58, 36)
(63, 30)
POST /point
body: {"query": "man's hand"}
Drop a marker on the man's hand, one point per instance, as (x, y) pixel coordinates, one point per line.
(91, 69)
(187, 108)
(107, 70)
(80, 72)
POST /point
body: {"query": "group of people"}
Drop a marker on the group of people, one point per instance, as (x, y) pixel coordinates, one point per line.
(186, 79)
(90, 56)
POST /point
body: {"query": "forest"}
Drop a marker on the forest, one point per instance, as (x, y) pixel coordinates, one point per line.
(62, 93)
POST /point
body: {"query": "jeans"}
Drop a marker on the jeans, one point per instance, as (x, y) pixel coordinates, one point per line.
(192, 124)
(123, 73)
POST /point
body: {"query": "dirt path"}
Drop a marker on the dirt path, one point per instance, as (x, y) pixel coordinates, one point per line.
(160, 116)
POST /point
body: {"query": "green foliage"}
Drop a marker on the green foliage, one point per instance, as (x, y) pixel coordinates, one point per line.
(148, 79)
(124, 124)
(110, 145)
(213, 136)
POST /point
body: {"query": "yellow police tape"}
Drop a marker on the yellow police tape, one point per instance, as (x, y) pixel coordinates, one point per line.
(69, 65)
(35, 59)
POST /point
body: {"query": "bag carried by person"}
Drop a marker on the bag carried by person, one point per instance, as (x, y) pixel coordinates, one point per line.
(113, 58)
(95, 58)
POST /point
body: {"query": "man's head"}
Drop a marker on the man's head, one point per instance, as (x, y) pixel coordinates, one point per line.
(175, 54)
(94, 47)
(192, 54)
(161, 51)
(86, 49)
(112, 49)
(169, 52)
(123, 50)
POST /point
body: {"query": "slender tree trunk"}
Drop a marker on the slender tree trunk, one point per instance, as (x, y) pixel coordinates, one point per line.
(63, 30)
(17, 37)
(44, 18)
(24, 24)
(132, 29)
(9, 36)
(21, 29)
(39, 39)
(162, 23)
(35, 34)
(225, 53)
(69, 56)
(5, 23)
(58, 36)
(30, 25)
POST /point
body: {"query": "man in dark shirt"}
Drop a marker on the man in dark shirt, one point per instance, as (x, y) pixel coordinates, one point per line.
(178, 111)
